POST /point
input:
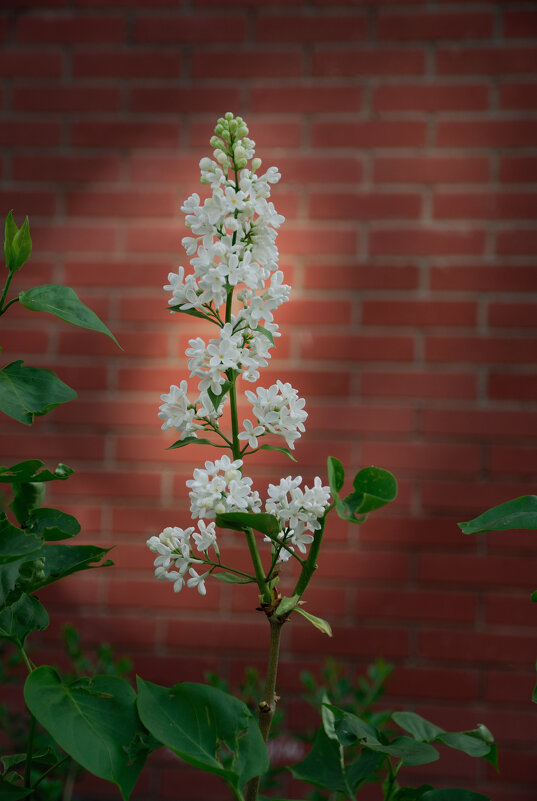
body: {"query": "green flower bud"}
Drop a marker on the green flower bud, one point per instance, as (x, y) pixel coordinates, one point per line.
(221, 158)
(256, 164)
(240, 164)
(242, 132)
(233, 126)
(229, 115)
(239, 151)
(215, 141)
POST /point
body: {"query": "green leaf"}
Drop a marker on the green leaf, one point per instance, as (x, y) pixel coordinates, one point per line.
(318, 622)
(12, 792)
(364, 769)
(286, 451)
(215, 399)
(533, 596)
(9, 573)
(27, 496)
(418, 727)
(377, 488)
(323, 766)
(265, 333)
(63, 302)
(17, 243)
(518, 513)
(64, 560)
(52, 524)
(20, 618)
(409, 751)
(232, 578)
(469, 742)
(48, 757)
(240, 521)
(194, 720)
(336, 475)
(287, 605)
(14, 542)
(453, 794)
(28, 392)
(29, 471)
(189, 441)
(191, 312)
(93, 719)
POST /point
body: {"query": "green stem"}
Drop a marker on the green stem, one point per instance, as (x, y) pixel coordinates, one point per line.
(226, 568)
(310, 564)
(29, 753)
(267, 706)
(49, 770)
(4, 293)
(258, 566)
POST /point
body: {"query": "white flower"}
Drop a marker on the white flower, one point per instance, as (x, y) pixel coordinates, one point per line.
(251, 433)
(206, 537)
(197, 581)
(177, 412)
(280, 410)
(220, 488)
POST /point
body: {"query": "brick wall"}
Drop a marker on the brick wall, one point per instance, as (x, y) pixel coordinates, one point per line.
(407, 138)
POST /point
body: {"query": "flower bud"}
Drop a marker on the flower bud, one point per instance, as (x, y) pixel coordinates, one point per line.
(240, 164)
(229, 115)
(256, 164)
(239, 152)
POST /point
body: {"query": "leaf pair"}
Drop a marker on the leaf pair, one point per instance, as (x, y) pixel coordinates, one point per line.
(373, 488)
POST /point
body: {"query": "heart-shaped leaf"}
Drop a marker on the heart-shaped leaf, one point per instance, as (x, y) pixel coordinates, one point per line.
(28, 392)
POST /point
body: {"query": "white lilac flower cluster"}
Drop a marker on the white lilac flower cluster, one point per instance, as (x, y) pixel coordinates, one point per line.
(232, 248)
(236, 285)
(174, 549)
(298, 511)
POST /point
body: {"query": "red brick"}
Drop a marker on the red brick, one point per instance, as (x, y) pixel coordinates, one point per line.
(117, 64)
(434, 97)
(114, 414)
(76, 238)
(511, 610)
(423, 457)
(415, 605)
(118, 484)
(379, 61)
(83, 377)
(417, 385)
(433, 25)
(65, 168)
(261, 62)
(511, 459)
(426, 241)
(357, 348)
(318, 240)
(346, 641)
(485, 205)
(56, 446)
(512, 386)
(518, 169)
(488, 278)
(441, 683)
(310, 28)
(34, 203)
(360, 276)
(18, 133)
(180, 100)
(411, 533)
(164, 169)
(314, 312)
(517, 242)
(142, 344)
(476, 570)
(509, 686)
(189, 29)
(521, 24)
(480, 423)
(366, 205)
(125, 134)
(140, 594)
(518, 96)
(432, 169)
(34, 64)
(419, 313)
(66, 99)
(213, 636)
(364, 419)
(3, 29)
(369, 133)
(480, 349)
(475, 647)
(316, 169)
(115, 273)
(306, 99)
(453, 496)
(153, 239)
(512, 132)
(512, 315)
(120, 204)
(70, 28)
(495, 60)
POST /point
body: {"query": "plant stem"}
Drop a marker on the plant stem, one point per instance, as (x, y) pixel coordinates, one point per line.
(4, 293)
(310, 564)
(49, 770)
(267, 706)
(258, 566)
(29, 753)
